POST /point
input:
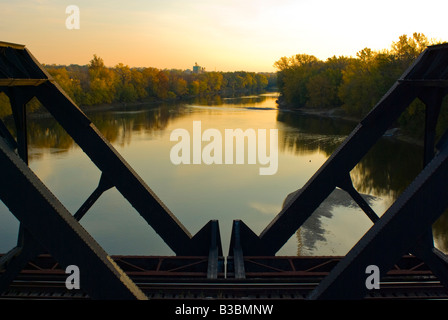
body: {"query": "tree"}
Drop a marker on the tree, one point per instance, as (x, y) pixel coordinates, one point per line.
(293, 76)
(322, 91)
(68, 83)
(150, 81)
(357, 91)
(139, 83)
(179, 86)
(214, 80)
(102, 83)
(407, 49)
(323, 87)
(97, 69)
(125, 90)
(356, 84)
(163, 85)
(193, 88)
(261, 81)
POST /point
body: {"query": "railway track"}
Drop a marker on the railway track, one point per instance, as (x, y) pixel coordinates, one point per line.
(223, 289)
(276, 278)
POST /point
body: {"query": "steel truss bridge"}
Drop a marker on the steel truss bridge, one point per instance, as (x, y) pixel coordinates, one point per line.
(50, 238)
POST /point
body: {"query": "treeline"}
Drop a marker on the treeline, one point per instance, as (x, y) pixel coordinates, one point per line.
(96, 84)
(352, 84)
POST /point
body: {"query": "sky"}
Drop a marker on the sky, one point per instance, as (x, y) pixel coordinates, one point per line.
(232, 35)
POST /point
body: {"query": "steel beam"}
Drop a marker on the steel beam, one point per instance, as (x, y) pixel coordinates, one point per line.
(396, 233)
(19, 97)
(333, 172)
(432, 98)
(16, 260)
(4, 132)
(347, 186)
(215, 251)
(102, 187)
(406, 226)
(48, 221)
(337, 168)
(114, 166)
(21, 78)
(102, 153)
(236, 251)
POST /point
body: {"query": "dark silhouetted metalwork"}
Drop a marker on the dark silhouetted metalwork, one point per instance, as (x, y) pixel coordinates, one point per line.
(400, 237)
(43, 219)
(406, 226)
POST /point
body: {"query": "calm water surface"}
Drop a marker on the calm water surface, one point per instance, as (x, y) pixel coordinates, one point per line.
(199, 193)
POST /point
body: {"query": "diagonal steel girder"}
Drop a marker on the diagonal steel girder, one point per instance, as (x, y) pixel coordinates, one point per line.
(117, 170)
(413, 84)
(399, 230)
(53, 227)
(332, 173)
(47, 224)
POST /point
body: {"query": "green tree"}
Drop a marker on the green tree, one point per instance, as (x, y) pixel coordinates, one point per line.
(102, 83)
(68, 83)
(356, 90)
(163, 85)
(139, 82)
(214, 80)
(323, 87)
(179, 86)
(97, 69)
(293, 77)
(151, 81)
(407, 48)
(193, 88)
(125, 89)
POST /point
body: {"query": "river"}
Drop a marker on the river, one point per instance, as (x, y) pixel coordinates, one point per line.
(197, 193)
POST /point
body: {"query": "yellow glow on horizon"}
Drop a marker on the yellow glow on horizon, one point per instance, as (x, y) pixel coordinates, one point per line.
(218, 35)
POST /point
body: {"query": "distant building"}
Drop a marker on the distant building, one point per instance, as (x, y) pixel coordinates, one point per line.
(198, 69)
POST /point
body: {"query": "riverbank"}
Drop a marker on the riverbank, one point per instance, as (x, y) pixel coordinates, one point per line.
(41, 112)
(338, 113)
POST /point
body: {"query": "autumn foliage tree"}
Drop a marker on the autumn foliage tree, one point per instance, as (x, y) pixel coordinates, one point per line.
(352, 84)
(97, 84)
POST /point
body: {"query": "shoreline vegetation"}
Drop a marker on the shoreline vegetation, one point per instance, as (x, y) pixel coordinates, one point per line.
(337, 113)
(342, 87)
(349, 87)
(97, 86)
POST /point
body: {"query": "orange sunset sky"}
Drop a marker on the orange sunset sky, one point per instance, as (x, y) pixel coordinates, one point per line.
(219, 35)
